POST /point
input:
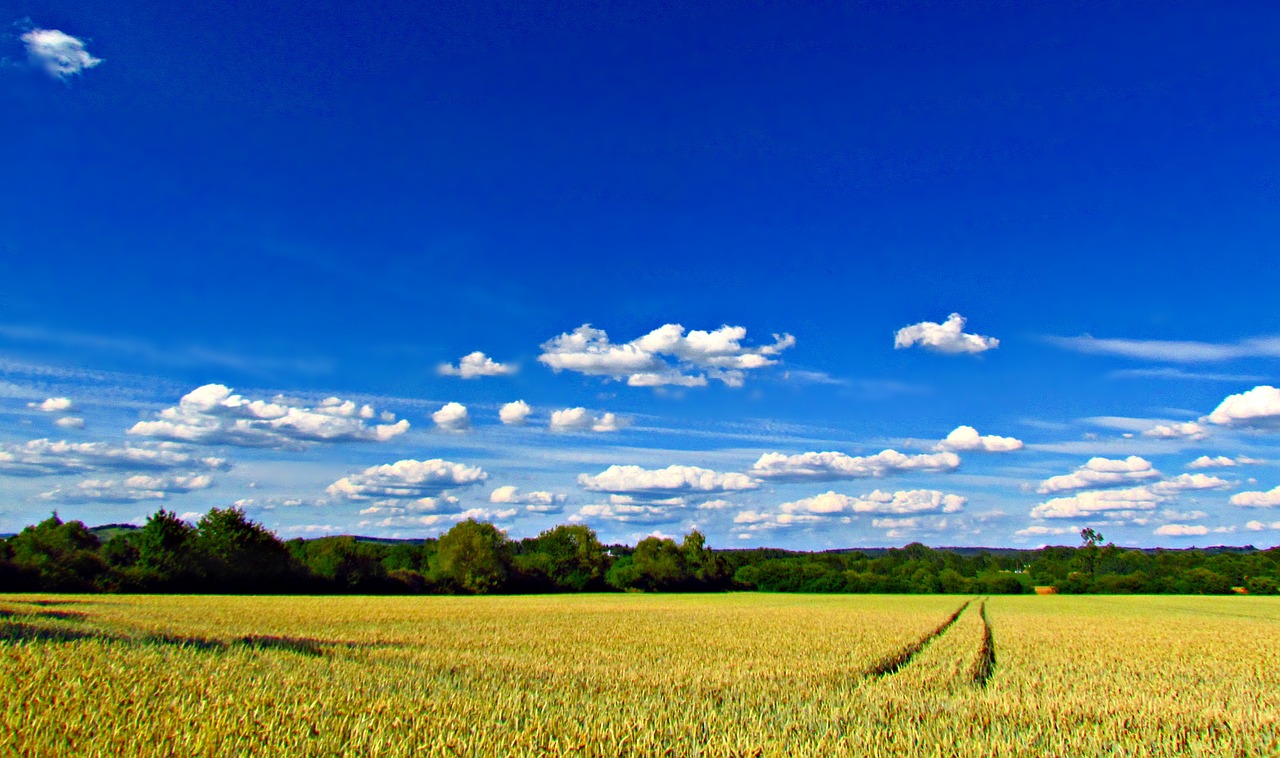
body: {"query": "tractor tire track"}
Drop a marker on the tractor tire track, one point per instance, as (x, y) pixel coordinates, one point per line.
(892, 663)
(986, 663)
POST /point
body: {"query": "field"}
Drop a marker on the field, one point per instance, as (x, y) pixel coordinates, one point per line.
(738, 674)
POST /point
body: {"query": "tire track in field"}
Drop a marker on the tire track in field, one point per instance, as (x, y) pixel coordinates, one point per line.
(892, 663)
(986, 663)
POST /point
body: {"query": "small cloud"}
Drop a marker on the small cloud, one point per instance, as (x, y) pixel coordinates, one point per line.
(511, 495)
(452, 417)
(1182, 530)
(831, 466)
(965, 439)
(1267, 499)
(581, 420)
(70, 422)
(1259, 407)
(948, 337)
(1222, 461)
(1189, 430)
(53, 405)
(1101, 472)
(514, 414)
(476, 365)
(58, 53)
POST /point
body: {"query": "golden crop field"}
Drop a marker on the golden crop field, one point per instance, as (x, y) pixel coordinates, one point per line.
(608, 675)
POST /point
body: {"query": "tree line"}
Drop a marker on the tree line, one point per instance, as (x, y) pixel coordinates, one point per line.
(226, 552)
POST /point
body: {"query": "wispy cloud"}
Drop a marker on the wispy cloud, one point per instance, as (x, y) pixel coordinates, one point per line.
(1176, 351)
(1173, 373)
(58, 53)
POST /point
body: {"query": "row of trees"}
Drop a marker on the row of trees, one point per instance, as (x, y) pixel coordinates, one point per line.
(225, 552)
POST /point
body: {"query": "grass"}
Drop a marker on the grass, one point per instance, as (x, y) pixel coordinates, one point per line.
(631, 674)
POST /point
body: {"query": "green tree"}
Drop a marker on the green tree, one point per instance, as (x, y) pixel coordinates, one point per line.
(62, 556)
(473, 557)
(241, 555)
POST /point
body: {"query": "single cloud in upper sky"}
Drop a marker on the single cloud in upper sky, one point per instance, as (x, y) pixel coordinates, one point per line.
(45, 457)
(964, 439)
(664, 356)
(515, 413)
(58, 53)
(406, 480)
(1101, 472)
(70, 422)
(878, 503)
(1188, 430)
(1267, 499)
(132, 489)
(53, 405)
(1222, 461)
(1176, 351)
(476, 365)
(638, 483)
(452, 417)
(213, 415)
(1259, 407)
(538, 501)
(831, 466)
(948, 337)
(582, 420)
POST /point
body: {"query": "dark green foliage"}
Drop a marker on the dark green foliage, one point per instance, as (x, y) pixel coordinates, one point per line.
(226, 552)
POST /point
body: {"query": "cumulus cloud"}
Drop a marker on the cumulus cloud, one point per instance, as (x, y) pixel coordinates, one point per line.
(582, 420)
(214, 415)
(1268, 499)
(132, 489)
(58, 53)
(452, 417)
(1176, 431)
(665, 356)
(1259, 406)
(514, 414)
(878, 503)
(1184, 482)
(53, 405)
(624, 513)
(1182, 530)
(45, 457)
(406, 480)
(964, 439)
(947, 337)
(1101, 472)
(475, 365)
(652, 484)
(1095, 502)
(70, 422)
(831, 466)
(1259, 526)
(539, 501)
(1222, 461)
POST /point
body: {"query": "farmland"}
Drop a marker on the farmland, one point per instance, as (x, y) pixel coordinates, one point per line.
(632, 674)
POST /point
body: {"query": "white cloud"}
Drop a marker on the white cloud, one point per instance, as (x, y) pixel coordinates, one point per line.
(830, 466)
(443, 504)
(45, 457)
(1095, 502)
(1177, 351)
(1267, 499)
(539, 501)
(1222, 461)
(1176, 431)
(714, 505)
(1101, 472)
(1259, 406)
(652, 484)
(581, 420)
(1182, 530)
(1037, 530)
(70, 422)
(1184, 482)
(665, 356)
(1259, 526)
(452, 417)
(213, 415)
(406, 480)
(626, 514)
(53, 405)
(947, 337)
(878, 503)
(58, 53)
(965, 439)
(475, 365)
(514, 414)
(131, 489)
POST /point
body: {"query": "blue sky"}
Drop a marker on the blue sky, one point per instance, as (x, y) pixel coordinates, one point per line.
(732, 237)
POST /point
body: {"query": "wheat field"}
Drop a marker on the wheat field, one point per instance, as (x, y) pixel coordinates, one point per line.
(629, 674)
